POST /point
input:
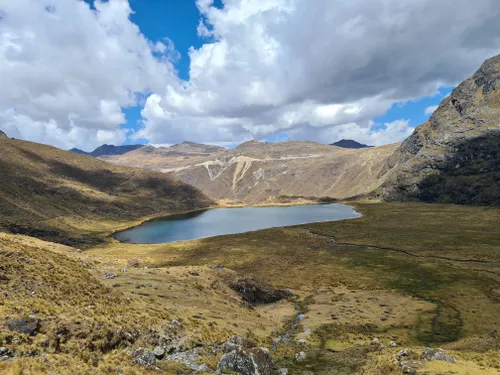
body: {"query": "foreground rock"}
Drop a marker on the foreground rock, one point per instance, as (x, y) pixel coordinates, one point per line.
(246, 359)
(258, 292)
(27, 326)
(410, 361)
(431, 354)
(144, 357)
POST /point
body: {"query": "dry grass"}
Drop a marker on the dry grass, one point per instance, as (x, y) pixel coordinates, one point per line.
(426, 283)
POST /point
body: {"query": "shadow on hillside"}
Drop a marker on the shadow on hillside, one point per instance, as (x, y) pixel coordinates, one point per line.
(470, 176)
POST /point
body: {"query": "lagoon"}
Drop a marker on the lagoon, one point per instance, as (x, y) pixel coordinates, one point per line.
(220, 221)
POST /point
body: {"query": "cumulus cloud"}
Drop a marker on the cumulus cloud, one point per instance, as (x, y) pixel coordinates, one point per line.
(68, 70)
(274, 66)
(318, 70)
(430, 110)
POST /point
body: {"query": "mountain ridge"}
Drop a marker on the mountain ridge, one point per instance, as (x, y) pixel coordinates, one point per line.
(454, 156)
(349, 143)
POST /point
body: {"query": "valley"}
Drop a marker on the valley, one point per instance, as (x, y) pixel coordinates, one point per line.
(410, 287)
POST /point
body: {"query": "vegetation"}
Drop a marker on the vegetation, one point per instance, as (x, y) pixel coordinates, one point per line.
(57, 195)
(415, 274)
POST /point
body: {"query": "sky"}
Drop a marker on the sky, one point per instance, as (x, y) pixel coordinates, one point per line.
(80, 73)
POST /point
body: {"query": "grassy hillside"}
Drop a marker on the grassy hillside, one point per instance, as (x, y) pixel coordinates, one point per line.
(47, 192)
(417, 274)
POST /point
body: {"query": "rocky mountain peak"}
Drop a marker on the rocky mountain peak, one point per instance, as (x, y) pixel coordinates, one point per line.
(446, 158)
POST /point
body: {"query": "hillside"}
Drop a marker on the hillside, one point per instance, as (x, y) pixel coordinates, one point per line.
(454, 157)
(256, 172)
(166, 159)
(51, 193)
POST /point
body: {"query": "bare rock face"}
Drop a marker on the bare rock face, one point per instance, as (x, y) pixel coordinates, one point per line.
(257, 292)
(455, 156)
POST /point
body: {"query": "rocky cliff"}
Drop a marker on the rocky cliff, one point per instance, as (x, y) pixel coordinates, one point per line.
(455, 156)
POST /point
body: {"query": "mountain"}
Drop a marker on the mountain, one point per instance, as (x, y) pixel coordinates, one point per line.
(256, 172)
(455, 156)
(166, 159)
(107, 150)
(113, 150)
(79, 152)
(45, 191)
(349, 143)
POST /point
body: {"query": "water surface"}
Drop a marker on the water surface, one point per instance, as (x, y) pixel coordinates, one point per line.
(220, 221)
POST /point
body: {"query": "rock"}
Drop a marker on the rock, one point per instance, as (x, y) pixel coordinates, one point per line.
(218, 267)
(406, 354)
(123, 270)
(257, 292)
(252, 361)
(455, 150)
(300, 317)
(283, 371)
(431, 354)
(176, 323)
(144, 357)
(194, 273)
(110, 276)
(393, 344)
(159, 352)
(300, 356)
(236, 343)
(133, 263)
(27, 326)
(4, 351)
(376, 341)
(410, 367)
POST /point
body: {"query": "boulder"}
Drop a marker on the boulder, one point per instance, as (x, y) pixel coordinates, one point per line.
(110, 276)
(133, 263)
(159, 352)
(27, 326)
(431, 354)
(300, 356)
(144, 357)
(257, 292)
(253, 361)
(410, 367)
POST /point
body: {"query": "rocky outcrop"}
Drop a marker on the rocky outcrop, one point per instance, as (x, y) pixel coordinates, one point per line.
(431, 354)
(454, 157)
(257, 292)
(243, 357)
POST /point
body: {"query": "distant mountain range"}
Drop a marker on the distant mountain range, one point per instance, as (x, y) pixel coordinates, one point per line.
(107, 150)
(349, 143)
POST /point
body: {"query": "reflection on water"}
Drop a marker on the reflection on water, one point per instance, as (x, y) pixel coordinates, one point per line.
(220, 221)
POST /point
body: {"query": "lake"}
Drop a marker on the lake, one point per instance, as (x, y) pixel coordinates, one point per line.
(219, 221)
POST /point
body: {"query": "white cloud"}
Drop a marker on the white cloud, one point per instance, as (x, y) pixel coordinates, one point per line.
(67, 71)
(430, 110)
(302, 67)
(309, 69)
